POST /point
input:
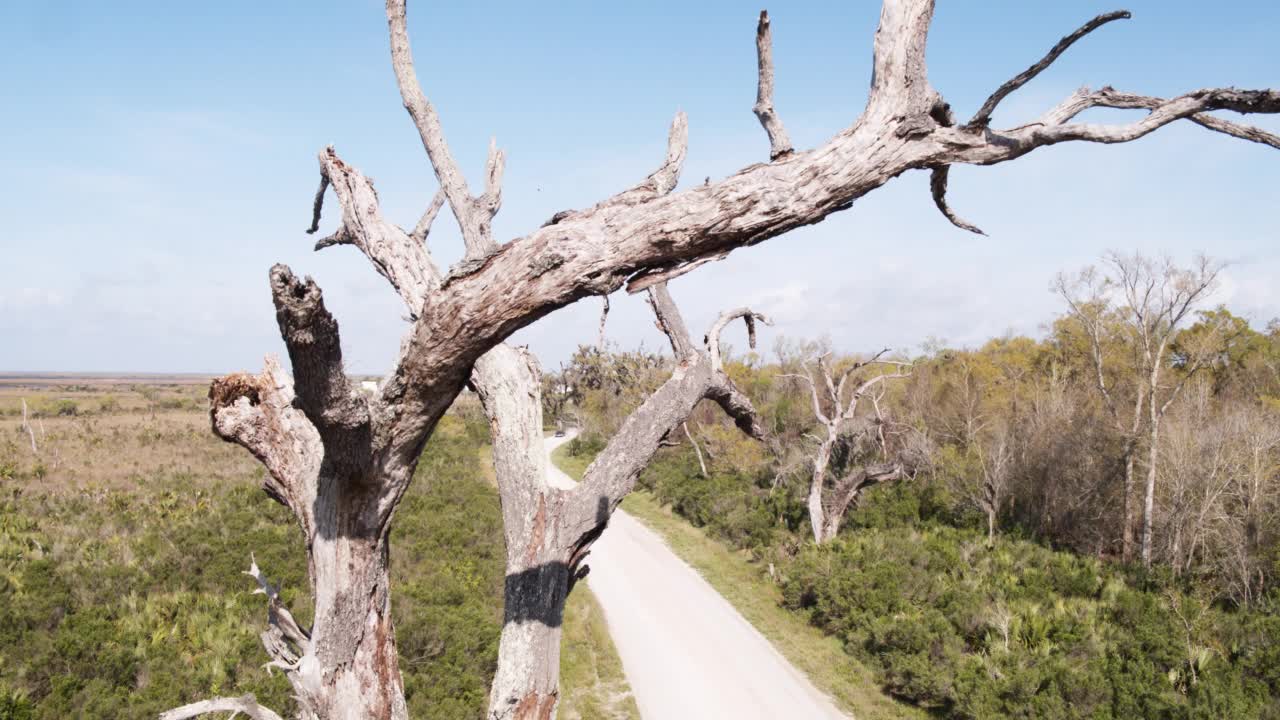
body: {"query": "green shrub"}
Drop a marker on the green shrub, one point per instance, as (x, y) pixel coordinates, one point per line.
(1015, 630)
(125, 603)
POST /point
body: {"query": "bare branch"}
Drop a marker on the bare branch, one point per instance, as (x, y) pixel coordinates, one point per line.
(318, 204)
(838, 393)
(247, 704)
(278, 615)
(663, 180)
(702, 465)
(813, 391)
(899, 79)
(712, 338)
(494, 166)
(848, 490)
(257, 412)
(474, 214)
(400, 258)
(1163, 112)
(604, 315)
(864, 387)
(779, 143)
(311, 335)
(671, 323)
(938, 186)
(423, 228)
(983, 117)
(649, 278)
(1110, 98)
(613, 473)
(27, 425)
(737, 405)
(824, 370)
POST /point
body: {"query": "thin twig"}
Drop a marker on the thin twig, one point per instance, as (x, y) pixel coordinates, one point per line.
(983, 117)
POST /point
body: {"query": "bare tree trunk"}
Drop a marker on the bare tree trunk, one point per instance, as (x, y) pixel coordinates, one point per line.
(353, 636)
(526, 684)
(1126, 532)
(1149, 497)
(817, 513)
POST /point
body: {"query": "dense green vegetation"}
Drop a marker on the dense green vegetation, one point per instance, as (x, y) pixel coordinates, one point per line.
(123, 545)
(124, 603)
(1014, 630)
(1040, 615)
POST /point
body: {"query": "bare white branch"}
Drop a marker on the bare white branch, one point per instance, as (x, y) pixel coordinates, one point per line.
(669, 321)
(423, 228)
(247, 704)
(27, 426)
(702, 465)
(712, 339)
(779, 143)
(604, 316)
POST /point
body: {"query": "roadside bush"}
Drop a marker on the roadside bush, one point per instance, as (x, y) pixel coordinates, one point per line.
(1022, 631)
(731, 505)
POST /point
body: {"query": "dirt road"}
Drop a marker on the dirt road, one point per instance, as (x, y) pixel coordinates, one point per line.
(686, 651)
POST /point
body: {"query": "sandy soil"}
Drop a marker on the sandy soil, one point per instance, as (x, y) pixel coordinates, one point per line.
(686, 651)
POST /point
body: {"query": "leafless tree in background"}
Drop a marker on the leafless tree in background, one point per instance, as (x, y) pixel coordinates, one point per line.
(1147, 302)
(1219, 467)
(996, 461)
(856, 435)
(341, 461)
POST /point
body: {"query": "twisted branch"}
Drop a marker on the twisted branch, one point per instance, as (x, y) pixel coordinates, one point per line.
(983, 117)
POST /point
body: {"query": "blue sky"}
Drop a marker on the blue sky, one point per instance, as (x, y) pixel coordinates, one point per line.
(161, 156)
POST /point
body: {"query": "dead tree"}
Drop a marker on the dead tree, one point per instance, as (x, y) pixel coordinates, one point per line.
(840, 425)
(549, 531)
(993, 487)
(26, 425)
(341, 461)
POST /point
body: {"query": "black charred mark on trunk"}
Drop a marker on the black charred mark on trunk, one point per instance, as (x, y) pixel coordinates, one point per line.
(537, 594)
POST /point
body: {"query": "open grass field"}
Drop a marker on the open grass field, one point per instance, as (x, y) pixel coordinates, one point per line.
(124, 532)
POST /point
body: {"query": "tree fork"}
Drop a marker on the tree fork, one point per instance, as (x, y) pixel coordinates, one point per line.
(342, 462)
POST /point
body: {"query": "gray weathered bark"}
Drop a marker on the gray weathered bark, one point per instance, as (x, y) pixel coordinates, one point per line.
(549, 532)
(341, 462)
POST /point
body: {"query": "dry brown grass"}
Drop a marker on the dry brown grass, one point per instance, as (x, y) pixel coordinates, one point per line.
(113, 436)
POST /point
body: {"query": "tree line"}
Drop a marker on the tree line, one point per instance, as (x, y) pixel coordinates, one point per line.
(957, 518)
(1144, 426)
